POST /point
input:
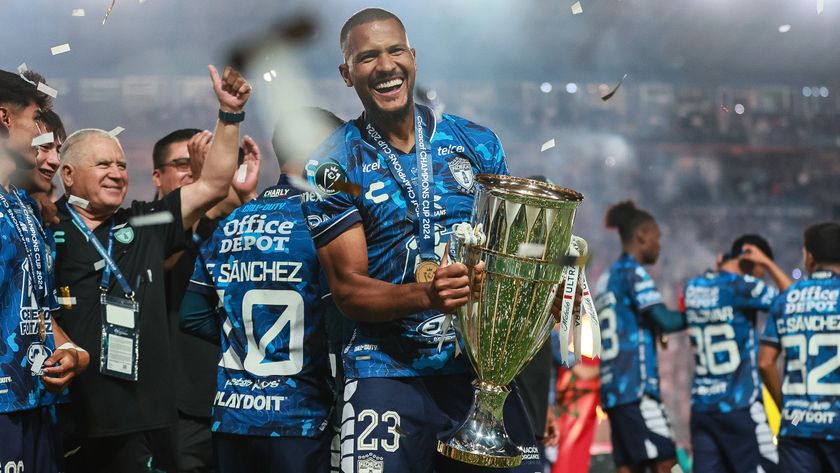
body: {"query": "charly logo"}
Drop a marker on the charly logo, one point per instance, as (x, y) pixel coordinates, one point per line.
(124, 235)
(326, 175)
(370, 463)
(376, 198)
(462, 172)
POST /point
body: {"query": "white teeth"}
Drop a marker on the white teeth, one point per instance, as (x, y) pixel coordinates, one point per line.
(390, 83)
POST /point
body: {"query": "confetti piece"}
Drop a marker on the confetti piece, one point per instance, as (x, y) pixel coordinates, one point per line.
(78, 201)
(577, 9)
(784, 28)
(108, 13)
(820, 6)
(547, 145)
(78, 12)
(615, 89)
(66, 301)
(157, 218)
(116, 131)
(302, 184)
(47, 90)
(43, 139)
(242, 173)
(22, 68)
(99, 265)
(60, 49)
(531, 250)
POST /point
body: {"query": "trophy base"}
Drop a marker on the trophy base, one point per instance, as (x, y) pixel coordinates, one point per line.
(482, 440)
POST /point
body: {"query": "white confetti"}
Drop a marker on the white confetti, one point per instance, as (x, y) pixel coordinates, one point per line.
(303, 185)
(66, 300)
(547, 145)
(43, 139)
(116, 131)
(99, 265)
(47, 90)
(531, 250)
(577, 9)
(820, 6)
(242, 173)
(60, 49)
(78, 201)
(157, 218)
(22, 68)
(784, 28)
(78, 12)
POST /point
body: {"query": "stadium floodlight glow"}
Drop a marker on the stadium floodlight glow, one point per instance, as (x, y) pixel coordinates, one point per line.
(796, 273)
(815, 91)
(823, 91)
(806, 91)
(431, 94)
(571, 87)
(267, 77)
(739, 108)
(545, 87)
(784, 28)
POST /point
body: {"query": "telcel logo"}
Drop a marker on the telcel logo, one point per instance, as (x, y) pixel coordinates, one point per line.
(447, 150)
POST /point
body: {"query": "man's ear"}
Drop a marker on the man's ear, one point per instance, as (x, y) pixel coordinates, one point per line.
(344, 70)
(156, 178)
(5, 117)
(66, 172)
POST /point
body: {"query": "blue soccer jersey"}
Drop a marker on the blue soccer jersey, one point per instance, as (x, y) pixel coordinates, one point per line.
(22, 352)
(720, 310)
(460, 150)
(804, 323)
(273, 376)
(628, 351)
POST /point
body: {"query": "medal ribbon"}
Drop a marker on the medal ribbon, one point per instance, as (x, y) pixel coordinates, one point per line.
(34, 254)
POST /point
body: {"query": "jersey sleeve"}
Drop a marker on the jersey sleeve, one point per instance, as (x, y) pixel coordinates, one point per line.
(753, 293)
(643, 290)
(487, 148)
(201, 280)
(770, 334)
(330, 214)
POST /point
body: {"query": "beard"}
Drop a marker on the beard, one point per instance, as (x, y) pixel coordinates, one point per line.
(387, 116)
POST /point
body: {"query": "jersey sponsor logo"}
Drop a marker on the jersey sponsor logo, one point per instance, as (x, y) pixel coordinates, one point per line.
(462, 172)
(370, 167)
(276, 192)
(256, 231)
(376, 198)
(800, 410)
(313, 221)
(124, 235)
(257, 402)
(433, 326)
(327, 175)
(451, 149)
(811, 299)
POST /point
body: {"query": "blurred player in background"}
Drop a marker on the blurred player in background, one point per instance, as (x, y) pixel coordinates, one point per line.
(273, 399)
(631, 312)
(729, 430)
(804, 323)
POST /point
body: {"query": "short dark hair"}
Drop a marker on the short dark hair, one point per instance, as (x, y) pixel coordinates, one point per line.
(16, 91)
(281, 148)
(162, 146)
(365, 16)
(823, 242)
(626, 218)
(54, 124)
(748, 239)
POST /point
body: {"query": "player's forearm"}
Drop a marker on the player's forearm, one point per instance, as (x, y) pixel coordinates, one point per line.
(780, 279)
(665, 319)
(218, 170)
(198, 317)
(365, 299)
(770, 373)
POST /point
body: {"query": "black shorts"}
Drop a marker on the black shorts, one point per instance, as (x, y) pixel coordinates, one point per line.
(29, 442)
(248, 453)
(641, 433)
(733, 442)
(802, 455)
(393, 424)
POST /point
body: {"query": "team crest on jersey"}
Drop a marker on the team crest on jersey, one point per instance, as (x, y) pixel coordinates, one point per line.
(37, 354)
(327, 175)
(462, 172)
(370, 463)
(124, 235)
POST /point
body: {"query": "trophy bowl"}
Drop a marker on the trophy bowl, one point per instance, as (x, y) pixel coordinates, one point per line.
(518, 233)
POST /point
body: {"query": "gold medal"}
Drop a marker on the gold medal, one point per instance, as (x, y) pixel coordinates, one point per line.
(425, 271)
(42, 327)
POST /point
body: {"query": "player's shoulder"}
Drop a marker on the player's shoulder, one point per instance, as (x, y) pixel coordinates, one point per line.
(340, 146)
(451, 126)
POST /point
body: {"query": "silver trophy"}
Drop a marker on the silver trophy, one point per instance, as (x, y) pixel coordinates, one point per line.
(516, 248)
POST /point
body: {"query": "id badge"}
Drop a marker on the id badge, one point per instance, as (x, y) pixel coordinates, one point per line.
(120, 345)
